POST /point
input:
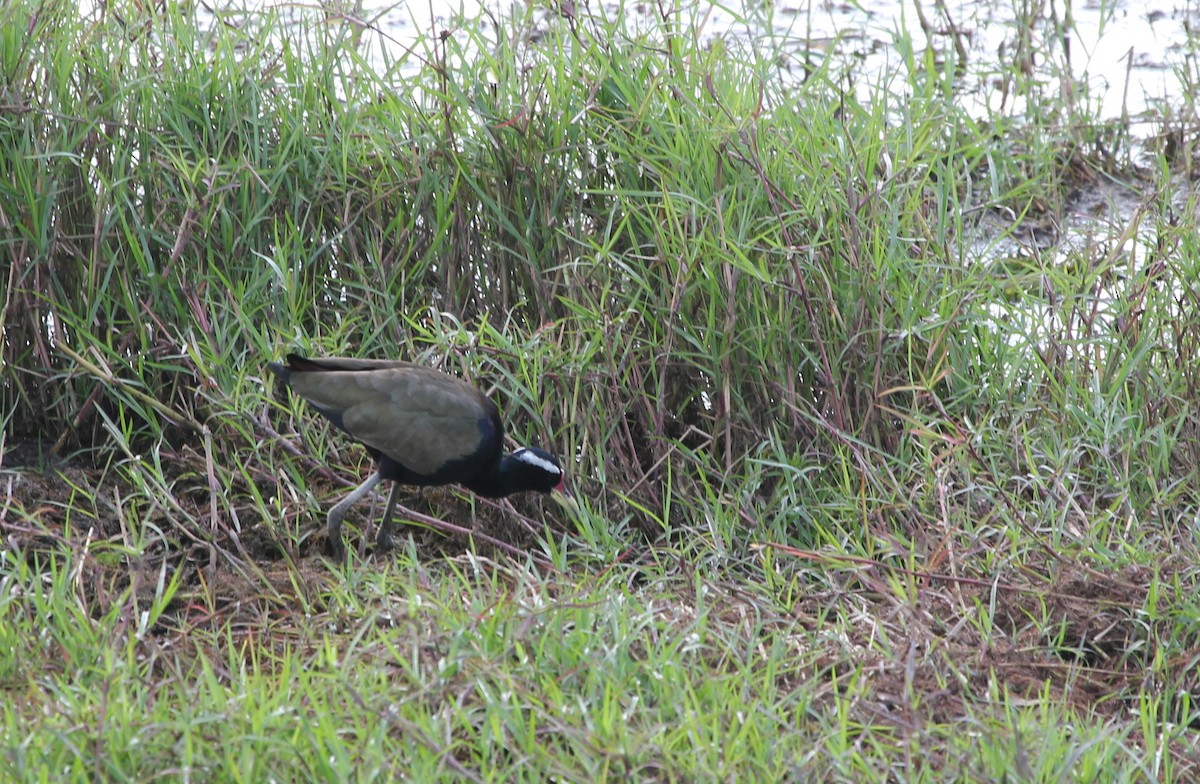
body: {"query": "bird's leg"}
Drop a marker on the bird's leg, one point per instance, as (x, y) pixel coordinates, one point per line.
(339, 510)
(383, 537)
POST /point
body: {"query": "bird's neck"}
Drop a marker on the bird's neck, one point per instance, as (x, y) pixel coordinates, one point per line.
(496, 481)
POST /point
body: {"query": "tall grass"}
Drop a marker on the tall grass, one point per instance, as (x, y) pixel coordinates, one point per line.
(188, 204)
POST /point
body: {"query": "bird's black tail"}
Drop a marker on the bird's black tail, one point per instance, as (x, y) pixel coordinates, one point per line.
(282, 372)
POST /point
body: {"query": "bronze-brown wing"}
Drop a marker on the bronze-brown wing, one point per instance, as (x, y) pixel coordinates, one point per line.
(419, 417)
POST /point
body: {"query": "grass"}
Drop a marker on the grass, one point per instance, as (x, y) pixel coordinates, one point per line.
(881, 415)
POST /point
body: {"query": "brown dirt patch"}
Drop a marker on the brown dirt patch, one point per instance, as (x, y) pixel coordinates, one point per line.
(1082, 638)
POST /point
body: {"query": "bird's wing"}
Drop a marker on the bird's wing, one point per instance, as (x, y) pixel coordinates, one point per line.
(419, 417)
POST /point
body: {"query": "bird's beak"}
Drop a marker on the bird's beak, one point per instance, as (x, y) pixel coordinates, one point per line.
(563, 497)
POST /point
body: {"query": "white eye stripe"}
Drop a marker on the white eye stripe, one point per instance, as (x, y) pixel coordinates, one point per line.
(526, 456)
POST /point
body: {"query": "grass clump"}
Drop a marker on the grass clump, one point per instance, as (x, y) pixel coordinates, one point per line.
(879, 407)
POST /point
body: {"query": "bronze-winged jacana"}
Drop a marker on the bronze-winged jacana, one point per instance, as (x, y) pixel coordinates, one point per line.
(423, 426)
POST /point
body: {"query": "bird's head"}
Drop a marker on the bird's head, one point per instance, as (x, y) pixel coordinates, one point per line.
(537, 469)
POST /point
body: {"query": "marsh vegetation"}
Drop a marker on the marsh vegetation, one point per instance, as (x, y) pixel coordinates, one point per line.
(881, 415)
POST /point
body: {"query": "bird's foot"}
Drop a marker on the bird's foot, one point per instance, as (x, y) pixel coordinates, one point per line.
(384, 541)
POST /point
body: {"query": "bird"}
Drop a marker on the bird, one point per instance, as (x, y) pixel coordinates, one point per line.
(423, 427)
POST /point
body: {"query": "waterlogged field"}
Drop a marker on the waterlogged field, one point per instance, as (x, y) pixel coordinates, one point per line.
(877, 391)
